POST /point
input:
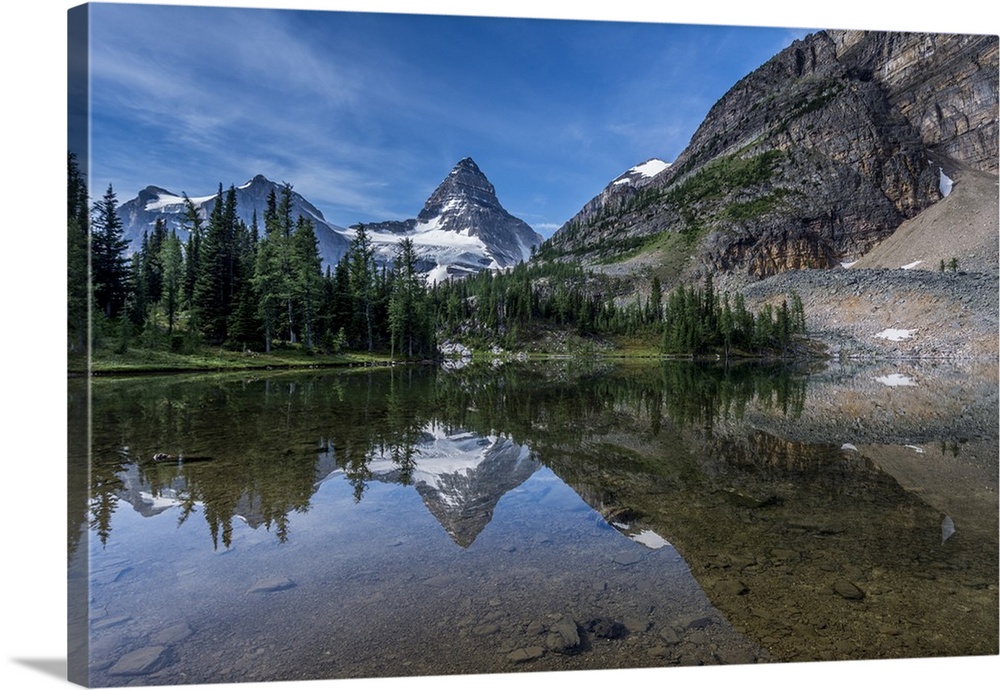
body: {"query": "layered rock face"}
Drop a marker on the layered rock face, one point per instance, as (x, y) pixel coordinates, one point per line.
(811, 159)
(945, 85)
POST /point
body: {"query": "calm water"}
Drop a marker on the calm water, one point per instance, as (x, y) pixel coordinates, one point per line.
(391, 522)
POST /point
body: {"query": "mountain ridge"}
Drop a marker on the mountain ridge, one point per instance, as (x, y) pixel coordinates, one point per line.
(811, 159)
(461, 229)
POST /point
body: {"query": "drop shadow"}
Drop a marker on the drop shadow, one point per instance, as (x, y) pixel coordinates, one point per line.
(50, 667)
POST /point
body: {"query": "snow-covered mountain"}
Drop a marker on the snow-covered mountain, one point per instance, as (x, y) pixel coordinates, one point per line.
(461, 230)
(459, 475)
(139, 214)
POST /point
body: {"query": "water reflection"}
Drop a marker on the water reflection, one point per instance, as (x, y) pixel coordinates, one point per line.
(460, 476)
(798, 500)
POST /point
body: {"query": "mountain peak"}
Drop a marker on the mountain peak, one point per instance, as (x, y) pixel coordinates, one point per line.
(153, 192)
(466, 164)
(257, 180)
(465, 183)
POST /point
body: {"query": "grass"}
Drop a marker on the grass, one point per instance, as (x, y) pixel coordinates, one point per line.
(136, 360)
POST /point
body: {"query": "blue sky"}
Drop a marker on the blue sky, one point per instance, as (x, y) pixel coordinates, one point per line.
(364, 114)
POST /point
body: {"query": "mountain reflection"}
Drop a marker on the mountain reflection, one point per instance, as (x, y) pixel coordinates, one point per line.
(459, 475)
(255, 449)
(792, 496)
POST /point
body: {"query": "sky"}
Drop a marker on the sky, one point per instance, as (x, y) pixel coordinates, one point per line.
(365, 114)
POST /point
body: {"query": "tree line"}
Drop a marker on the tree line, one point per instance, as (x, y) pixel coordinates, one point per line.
(261, 285)
(241, 286)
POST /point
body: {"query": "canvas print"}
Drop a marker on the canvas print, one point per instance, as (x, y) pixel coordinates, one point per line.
(407, 345)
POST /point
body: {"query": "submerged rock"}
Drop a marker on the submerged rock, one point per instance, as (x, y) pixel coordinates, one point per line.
(524, 654)
(172, 635)
(606, 628)
(563, 636)
(140, 662)
(271, 584)
(848, 590)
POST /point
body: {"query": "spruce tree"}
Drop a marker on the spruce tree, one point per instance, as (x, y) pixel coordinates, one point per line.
(171, 258)
(109, 268)
(307, 276)
(78, 292)
(362, 283)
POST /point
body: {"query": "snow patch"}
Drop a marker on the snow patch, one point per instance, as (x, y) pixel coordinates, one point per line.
(896, 380)
(650, 539)
(166, 201)
(907, 267)
(947, 528)
(945, 184)
(650, 168)
(896, 334)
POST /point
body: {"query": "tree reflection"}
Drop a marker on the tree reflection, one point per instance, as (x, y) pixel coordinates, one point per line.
(256, 448)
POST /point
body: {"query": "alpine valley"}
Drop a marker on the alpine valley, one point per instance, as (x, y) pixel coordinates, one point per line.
(853, 168)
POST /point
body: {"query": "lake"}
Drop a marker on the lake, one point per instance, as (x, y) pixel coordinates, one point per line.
(404, 521)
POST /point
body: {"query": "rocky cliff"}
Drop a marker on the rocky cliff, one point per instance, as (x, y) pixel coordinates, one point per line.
(808, 161)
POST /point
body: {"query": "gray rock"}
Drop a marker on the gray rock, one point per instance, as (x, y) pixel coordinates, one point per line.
(693, 622)
(848, 590)
(140, 662)
(525, 654)
(607, 628)
(670, 636)
(440, 581)
(564, 636)
(105, 623)
(731, 588)
(271, 584)
(536, 628)
(172, 635)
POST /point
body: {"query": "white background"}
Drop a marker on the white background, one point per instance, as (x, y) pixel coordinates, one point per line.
(33, 164)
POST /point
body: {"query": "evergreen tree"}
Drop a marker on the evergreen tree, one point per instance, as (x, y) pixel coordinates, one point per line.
(244, 325)
(268, 279)
(212, 295)
(362, 283)
(78, 259)
(171, 258)
(109, 268)
(408, 309)
(307, 275)
(192, 250)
